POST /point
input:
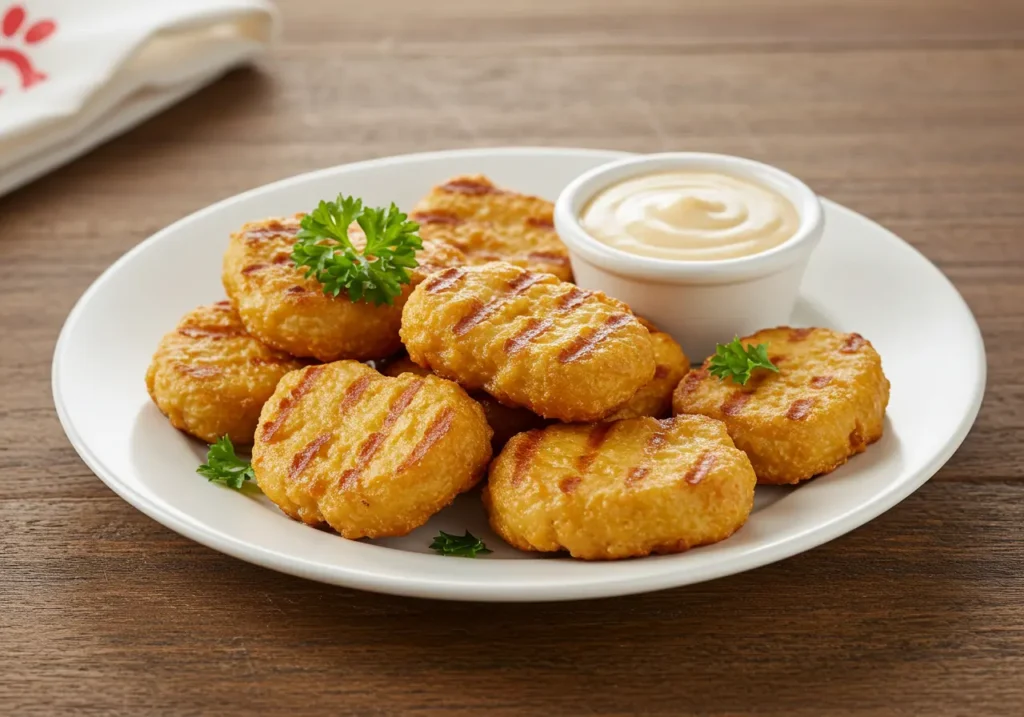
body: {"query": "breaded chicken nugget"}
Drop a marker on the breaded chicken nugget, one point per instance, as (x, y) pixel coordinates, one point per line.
(621, 489)
(211, 378)
(529, 340)
(655, 397)
(369, 455)
(505, 421)
(492, 224)
(826, 404)
(285, 310)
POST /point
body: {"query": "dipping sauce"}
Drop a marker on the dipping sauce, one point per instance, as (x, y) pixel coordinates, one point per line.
(690, 216)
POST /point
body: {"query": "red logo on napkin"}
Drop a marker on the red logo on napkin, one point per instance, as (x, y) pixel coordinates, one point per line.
(10, 27)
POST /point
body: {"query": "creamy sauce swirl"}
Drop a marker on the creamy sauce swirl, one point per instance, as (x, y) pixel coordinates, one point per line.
(690, 216)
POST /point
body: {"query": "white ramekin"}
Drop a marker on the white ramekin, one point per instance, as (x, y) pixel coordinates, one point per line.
(700, 303)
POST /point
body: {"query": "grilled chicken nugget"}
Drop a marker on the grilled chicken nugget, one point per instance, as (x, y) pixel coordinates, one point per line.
(826, 404)
(505, 421)
(529, 340)
(285, 310)
(492, 224)
(655, 397)
(369, 455)
(621, 489)
(211, 378)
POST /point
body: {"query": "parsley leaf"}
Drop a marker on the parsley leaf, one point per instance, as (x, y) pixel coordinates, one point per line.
(735, 361)
(466, 546)
(374, 274)
(223, 466)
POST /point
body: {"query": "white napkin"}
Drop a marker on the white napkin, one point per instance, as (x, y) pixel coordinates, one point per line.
(74, 73)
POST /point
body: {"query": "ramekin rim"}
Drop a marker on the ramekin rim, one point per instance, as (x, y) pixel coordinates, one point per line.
(583, 188)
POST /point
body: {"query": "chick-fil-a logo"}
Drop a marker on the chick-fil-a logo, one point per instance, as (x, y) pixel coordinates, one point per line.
(12, 35)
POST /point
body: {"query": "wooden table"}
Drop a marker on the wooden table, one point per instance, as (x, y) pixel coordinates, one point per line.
(910, 111)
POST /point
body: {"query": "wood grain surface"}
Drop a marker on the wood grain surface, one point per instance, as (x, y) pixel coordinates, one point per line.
(910, 111)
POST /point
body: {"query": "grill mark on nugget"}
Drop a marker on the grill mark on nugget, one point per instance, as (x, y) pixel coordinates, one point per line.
(482, 312)
(269, 230)
(692, 381)
(437, 430)
(540, 222)
(436, 216)
(637, 474)
(526, 449)
(701, 468)
(523, 282)
(799, 409)
(303, 457)
(572, 298)
(735, 403)
(354, 392)
(200, 371)
(569, 484)
(852, 344)
(372, 444)
(470, 185)
(654, 443)
(582, 346)
(212, 332)
(290, 401)
(596, 438)
(445, 280)
(800, 334)
(533, 329)
(550, 257)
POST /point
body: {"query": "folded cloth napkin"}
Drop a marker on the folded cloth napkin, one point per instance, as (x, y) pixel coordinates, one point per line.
(74, 73)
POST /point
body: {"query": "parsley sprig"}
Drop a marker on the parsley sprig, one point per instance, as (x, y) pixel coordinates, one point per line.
(224, 466)
(736, 361)
(466, 546)
(378, 271)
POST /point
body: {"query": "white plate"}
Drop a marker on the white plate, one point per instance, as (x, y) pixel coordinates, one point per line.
(862, 278)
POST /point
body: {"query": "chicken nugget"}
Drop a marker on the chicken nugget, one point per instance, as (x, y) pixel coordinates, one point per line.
(620, 489)
(655, 397)
(826, 403)
(211, 378)
(369, 455)
(492, 224)
(505, 421)
(285, 310)
(529, 340)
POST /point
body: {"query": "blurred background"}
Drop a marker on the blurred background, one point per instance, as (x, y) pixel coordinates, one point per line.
(831, 90)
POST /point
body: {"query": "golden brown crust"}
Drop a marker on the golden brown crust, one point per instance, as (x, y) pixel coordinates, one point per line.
(826, 404)
(488, 223)
(369, 455)
(655, 397)
(529, 340)
(620, 489)
(505, 421)
(285, 310)
(211, 378)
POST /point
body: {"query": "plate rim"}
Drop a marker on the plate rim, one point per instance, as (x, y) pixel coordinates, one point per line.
(448, 589)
